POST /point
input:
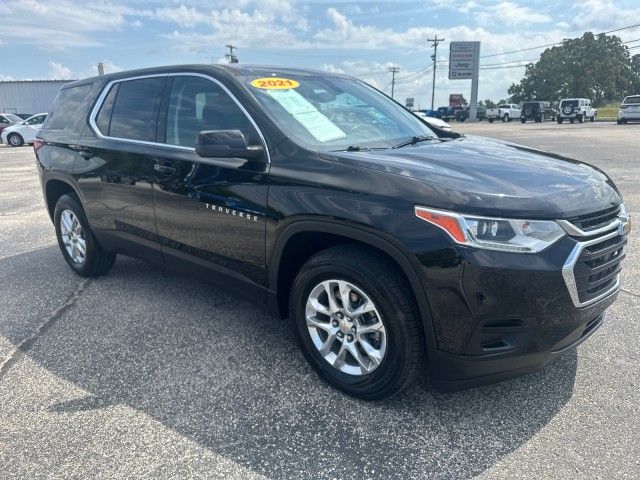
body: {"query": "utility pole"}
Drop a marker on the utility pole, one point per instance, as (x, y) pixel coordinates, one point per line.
(393, 71)
(436, 41)
(230, 56)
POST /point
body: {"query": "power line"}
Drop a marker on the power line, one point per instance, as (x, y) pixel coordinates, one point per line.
(554, 44)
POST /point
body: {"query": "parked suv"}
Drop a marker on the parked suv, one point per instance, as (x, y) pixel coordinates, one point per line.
(537, 111)
(386, 243)
(629, 109)
(573, 109)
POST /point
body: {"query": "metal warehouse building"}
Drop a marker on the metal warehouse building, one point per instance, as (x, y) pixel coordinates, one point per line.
(28, 96)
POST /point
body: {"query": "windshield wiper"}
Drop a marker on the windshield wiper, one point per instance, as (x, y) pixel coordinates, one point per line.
(355, 148)
(414, 140)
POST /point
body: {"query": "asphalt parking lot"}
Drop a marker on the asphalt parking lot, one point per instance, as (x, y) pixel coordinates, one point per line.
(145, 373)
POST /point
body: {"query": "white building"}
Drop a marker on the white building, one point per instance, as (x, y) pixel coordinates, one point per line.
(28, 96)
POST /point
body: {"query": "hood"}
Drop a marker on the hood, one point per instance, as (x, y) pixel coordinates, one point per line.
(511, 180)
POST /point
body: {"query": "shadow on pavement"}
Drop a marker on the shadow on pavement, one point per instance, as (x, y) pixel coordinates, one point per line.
(222, 373)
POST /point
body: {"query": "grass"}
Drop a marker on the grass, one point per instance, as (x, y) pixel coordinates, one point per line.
(607, 113)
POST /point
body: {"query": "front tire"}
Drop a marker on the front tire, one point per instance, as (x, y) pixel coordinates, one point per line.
(76, 240)
(560, 120)
(491, 120)
(15, 140)
(356, 321)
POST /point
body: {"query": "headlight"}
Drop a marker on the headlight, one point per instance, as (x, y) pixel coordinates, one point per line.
(510, 235)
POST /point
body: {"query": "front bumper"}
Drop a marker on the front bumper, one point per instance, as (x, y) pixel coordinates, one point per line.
(497, 315)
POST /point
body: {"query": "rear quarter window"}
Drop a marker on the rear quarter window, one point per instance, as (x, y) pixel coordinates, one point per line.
(70, 109)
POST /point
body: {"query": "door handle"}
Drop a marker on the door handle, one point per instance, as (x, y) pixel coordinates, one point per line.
(165, 168)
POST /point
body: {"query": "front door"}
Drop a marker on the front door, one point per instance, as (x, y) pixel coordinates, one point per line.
(210, 212)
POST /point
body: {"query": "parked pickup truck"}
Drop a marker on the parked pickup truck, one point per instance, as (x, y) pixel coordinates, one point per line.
(505, 112)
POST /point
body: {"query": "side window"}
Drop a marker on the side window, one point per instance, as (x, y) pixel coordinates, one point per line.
(103, 120)
(70, 109)
(3, 120)
(197, 104)
(135, 109)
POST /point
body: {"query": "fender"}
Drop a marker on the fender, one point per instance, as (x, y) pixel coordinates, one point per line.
(407, 262)
(64, 178)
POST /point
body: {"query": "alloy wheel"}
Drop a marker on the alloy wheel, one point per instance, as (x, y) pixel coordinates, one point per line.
(346, 327)
(73, 236)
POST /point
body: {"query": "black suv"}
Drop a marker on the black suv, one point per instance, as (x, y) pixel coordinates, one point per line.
(537, 111)
(386, 242)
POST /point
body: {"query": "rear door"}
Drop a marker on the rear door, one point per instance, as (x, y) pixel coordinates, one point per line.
(115, 166)
(210, 212)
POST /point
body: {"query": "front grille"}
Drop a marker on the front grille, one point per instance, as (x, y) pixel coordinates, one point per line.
(598, 266)
(593, 221)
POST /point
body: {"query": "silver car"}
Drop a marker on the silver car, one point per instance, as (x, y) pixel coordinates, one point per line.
(629, 109)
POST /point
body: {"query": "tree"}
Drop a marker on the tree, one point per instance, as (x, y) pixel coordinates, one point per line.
(597, 67)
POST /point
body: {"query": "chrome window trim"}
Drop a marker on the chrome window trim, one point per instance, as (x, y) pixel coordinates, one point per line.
(570, 280)
(107, 87)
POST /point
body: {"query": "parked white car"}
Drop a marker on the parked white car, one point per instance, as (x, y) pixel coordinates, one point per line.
(23, 132)
(505, 112)
(435, 122)
(629, 110)
(573, 109)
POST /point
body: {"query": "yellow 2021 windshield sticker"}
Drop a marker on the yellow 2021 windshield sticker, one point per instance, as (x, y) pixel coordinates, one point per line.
(274, 83)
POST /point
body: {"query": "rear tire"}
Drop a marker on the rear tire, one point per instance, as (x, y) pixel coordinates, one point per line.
(15, 140)
(76, 240)
(560, 120)
(491, 120)
(399, 328)
(523, 120)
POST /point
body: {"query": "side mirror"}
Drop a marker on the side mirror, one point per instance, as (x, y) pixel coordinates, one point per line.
(227, 144)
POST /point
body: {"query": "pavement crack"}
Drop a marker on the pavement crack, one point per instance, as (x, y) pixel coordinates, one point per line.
(49, 320)
(633, 294)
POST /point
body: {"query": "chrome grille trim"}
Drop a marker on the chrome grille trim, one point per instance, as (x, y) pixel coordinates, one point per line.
(568, 267)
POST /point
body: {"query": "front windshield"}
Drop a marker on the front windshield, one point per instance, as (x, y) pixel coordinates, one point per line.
(13, 118)
(327, 113)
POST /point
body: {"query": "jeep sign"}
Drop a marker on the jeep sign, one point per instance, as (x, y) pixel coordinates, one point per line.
(464, 58)
(464, 64)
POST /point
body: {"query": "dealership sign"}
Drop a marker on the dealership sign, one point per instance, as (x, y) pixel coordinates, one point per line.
(464, 58)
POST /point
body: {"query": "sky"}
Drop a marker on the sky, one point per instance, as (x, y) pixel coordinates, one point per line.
(65, 39)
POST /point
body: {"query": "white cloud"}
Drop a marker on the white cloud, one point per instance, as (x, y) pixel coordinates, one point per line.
(510, 13)
(57, 71)
(601, 15)
(61, 24)
(6, 78)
